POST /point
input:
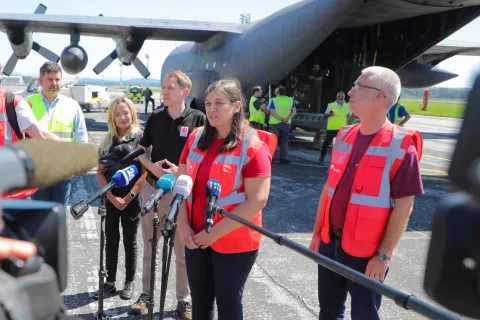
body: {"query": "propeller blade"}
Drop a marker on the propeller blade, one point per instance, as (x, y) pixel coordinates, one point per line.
(141, 67)
(41, 9)
(102, 65)
(11, 63)
(44, 52)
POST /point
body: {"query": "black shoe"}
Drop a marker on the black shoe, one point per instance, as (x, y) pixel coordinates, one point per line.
(140, 306)
(127, 292)
(284, 161)
(322, 158)
(108, 291)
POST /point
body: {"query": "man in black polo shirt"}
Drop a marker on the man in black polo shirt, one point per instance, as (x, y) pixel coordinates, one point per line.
(166, 131)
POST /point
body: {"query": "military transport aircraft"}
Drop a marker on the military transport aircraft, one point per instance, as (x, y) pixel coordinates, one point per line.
(343, 36)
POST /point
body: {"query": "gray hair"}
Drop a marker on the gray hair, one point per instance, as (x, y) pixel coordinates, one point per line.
(386, 80)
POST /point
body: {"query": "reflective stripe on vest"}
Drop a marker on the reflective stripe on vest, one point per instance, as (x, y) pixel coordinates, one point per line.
(7, 130)
(61, 122)
(283, 107)
(370, 202)
(396, 118)
(255, 115)
(339, 119)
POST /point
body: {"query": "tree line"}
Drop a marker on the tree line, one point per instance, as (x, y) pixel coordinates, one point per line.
(437, 93)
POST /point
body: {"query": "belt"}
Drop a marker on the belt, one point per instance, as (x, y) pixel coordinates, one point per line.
(337, 231)
(151, 181)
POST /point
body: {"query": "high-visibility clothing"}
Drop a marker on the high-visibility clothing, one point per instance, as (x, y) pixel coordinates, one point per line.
(339, 119)
(283, 107)
(8, 137)
(396, 118)
(370, 203)
(61, 122)
(256, 115)
(227, 168)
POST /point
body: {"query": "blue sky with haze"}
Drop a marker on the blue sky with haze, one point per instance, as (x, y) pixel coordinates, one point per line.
(200, 10)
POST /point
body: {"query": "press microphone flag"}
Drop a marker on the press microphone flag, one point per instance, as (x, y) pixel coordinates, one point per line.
(164, 185)
(119, 180)
(182, 188)
(212, 190)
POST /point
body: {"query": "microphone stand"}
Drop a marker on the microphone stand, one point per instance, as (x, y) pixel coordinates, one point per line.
(403, 299)
(102, 212)
(156, 224)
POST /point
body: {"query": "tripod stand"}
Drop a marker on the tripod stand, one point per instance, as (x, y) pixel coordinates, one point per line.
(102, 211)
(156, 223)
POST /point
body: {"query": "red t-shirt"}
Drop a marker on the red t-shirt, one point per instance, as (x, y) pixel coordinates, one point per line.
(406, 182)
(258, 167)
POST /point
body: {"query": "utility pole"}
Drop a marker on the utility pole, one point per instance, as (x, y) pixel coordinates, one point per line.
(245, 18)
(147, 56)
(121, 73)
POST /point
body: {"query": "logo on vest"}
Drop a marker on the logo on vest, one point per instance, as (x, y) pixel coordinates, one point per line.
(184, 132)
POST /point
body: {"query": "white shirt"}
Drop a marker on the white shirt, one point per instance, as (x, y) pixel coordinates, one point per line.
(25, 116)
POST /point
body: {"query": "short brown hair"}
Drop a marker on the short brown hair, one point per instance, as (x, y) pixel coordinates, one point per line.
(182, 79)
(49, 67)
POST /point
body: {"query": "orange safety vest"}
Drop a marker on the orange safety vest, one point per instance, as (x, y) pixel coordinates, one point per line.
(8, 137)
(370, 203)
(227, 168)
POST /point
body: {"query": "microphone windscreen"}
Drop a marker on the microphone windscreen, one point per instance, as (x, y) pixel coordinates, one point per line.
(54, 161)
(166, 182)
(183, 186)
(213, 187)
(123, 177)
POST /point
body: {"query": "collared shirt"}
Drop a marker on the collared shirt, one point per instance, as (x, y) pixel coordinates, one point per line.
(79, 126)
(168, 136)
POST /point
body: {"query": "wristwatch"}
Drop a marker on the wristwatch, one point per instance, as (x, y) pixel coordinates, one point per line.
(383, 256)
(132, 194)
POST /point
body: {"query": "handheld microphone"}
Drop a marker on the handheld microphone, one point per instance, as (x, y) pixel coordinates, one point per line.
(132, 156)
(119, 180)
(119, 151)
(164, 185)
(213, 190)
(182, 188)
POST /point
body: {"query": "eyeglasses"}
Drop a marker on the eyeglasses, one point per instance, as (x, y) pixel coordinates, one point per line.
(355, 85)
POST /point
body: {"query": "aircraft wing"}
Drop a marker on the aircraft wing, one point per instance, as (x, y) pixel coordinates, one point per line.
(114, 27)
(447, 49)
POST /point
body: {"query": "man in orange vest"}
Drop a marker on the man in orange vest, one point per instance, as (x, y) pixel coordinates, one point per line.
(16, 119)
(367, 201)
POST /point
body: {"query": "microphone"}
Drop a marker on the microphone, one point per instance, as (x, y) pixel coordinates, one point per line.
(132, 156)
(164, 185)
(31, 164)
(182, 188)
(119, 151)
(213, 190)
(119, 180)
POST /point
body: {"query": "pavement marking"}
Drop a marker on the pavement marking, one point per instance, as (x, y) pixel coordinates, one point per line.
(434, 157)
(97, 132)
(437, 171)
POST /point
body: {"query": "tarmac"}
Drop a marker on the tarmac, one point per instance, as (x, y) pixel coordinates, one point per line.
(283, 283)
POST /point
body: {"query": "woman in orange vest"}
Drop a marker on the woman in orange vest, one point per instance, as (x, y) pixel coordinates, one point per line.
(239, 157)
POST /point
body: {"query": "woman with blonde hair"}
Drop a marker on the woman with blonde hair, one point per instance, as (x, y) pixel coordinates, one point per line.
(122, 204)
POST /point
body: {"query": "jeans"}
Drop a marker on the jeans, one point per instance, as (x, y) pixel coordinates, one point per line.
(219, 276)
(328, 140)
(333, 288)
(56, 193)
(130, 221)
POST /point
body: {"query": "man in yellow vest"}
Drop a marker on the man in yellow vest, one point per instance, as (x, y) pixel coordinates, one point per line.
(336, 115)
(257, 109)
(397, 114)
(61, 116)
(282, 110)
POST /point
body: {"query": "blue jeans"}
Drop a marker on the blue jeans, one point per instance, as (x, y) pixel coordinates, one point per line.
(219, 276)
(56, 193)
(333, 288)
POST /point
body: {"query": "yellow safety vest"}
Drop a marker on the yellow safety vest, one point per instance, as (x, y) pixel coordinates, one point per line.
(283, 107)
(339, 119)
(396, 118)
(61, 123)
(256, 115)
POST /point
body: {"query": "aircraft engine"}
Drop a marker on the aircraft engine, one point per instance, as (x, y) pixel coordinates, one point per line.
(74, 59)
(419, 75)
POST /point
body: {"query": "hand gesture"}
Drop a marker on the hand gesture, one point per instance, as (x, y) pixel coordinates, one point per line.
(204, 239)
(186, 238)
(171, 167)
(376, 269)
(118, 202)
(11, 248)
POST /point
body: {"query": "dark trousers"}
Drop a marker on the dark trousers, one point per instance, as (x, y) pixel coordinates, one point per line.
(112, 239)
(333, 288)
(146, 103)
(219, 276)
(328, 140)
(59, 193)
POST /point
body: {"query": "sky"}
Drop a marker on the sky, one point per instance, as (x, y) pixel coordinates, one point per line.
(200, 10)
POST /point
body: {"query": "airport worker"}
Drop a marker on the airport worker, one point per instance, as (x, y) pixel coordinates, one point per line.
(219, 262)
(16, 121)
(336, 114)
(366, 203)
(122, 204)
(282, 109)
(398, 115)
(166, 132)
(257, 109)
(148, 95)
(61, 116)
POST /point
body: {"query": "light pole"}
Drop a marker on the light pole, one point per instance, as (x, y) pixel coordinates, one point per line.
(147, 56)
(121, 72)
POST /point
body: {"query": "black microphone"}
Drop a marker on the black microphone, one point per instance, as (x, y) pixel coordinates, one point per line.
(182, 188)
(164, 185)
(118, 152)
(213, 190)
(132, 156)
